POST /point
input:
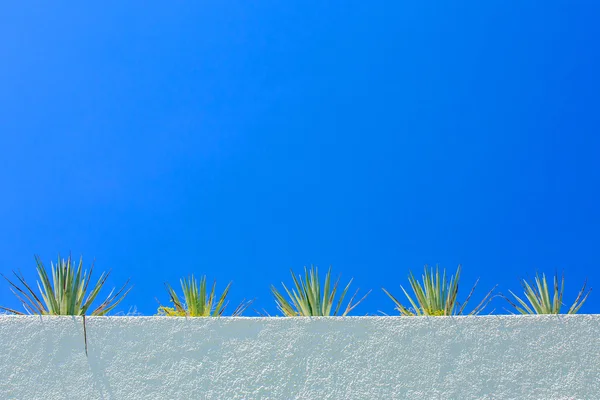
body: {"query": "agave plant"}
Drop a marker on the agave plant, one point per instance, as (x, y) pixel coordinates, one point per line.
(436, 295)
(67, 293)
(199, 301)
(537, 297)
(309, 299)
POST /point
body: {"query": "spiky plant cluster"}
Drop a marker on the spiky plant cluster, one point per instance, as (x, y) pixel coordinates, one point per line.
(436, 295)
(538, 299)
(309, 299)
(67, 292)
(199, 300)
(66, 289)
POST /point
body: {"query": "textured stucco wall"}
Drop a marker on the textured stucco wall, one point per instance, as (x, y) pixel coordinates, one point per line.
(492, 357)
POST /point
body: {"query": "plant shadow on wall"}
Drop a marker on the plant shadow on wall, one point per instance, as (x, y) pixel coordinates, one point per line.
(67, 292)
(308, 299)
(199, 300)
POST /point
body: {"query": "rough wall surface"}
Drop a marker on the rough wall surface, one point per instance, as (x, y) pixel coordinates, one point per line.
(492, 357)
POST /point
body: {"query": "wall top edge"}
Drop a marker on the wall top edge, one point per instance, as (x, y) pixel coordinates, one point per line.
(347, 318)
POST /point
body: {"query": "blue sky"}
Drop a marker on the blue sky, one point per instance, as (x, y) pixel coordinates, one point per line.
(242, 139)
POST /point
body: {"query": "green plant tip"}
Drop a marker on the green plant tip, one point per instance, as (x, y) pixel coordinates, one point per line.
(309, 299)
(67, 292)
(436, 295)
(538, 299)
(199, 300)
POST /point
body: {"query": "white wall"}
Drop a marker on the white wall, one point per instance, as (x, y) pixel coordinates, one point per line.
(492, 357)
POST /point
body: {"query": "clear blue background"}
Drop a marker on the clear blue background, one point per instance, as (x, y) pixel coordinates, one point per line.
(241, 139)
